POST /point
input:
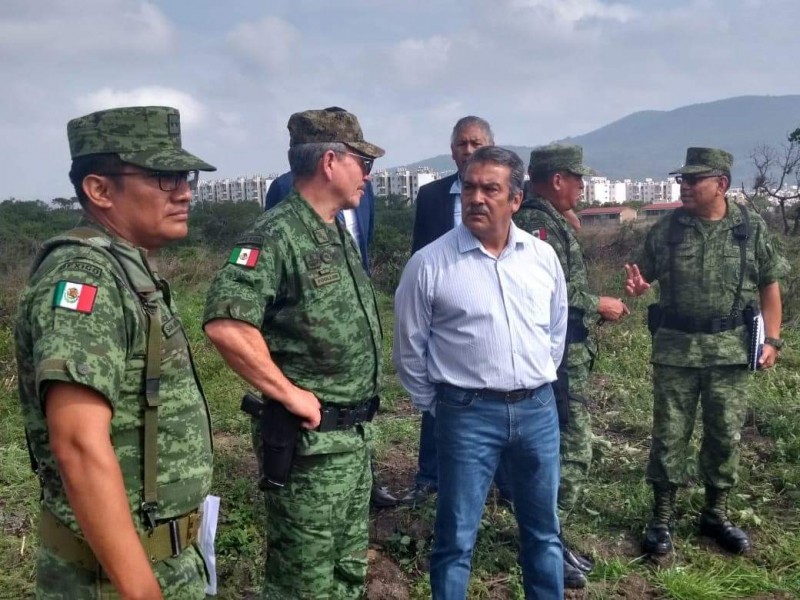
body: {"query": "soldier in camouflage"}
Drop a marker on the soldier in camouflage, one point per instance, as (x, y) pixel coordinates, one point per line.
(116, 421)
(556, 185)
(294, 313)
(716, 267)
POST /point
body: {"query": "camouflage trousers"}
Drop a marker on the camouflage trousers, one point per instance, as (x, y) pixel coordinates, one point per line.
(722, 395)
(181, 578)
(576, 441)
(317, 529)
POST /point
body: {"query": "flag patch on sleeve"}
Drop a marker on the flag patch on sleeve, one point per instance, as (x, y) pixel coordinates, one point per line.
(540, 233)
(246, 257)
(75, 296)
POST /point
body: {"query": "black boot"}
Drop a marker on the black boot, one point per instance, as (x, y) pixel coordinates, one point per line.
(715, 524)
(657, 535)
(574, 578)
(578, 561)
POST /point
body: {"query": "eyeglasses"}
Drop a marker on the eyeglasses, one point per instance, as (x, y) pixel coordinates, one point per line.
(692, 179)
(168, 181)
(366, 162)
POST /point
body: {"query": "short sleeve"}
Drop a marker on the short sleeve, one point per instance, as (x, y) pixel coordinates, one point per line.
(76, 315)
(772, 266)
(246, 284)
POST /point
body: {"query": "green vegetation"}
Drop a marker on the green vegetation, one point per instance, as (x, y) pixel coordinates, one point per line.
(607, 524)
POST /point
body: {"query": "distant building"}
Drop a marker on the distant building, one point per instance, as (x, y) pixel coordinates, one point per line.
(607, 216)
(239, 189)
(600, 190)
(650, 191)
(402, 181)
(652, 212)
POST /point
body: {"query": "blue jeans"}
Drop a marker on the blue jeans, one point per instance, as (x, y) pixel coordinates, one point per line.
(428, 469)
(475, 429)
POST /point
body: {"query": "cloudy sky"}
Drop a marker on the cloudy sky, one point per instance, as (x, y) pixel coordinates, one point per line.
(538, 70)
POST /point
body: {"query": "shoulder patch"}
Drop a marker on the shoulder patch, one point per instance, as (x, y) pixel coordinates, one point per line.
(74, 296)
(245, 257)
(540, 233)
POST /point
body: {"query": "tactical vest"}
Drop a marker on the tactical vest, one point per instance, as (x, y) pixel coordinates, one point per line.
(671, 318)
(147, 295)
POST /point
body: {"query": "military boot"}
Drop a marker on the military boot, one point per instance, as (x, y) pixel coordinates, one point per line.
(715, 524)
(657, 536)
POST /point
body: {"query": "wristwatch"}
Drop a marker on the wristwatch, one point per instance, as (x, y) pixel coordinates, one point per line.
(776, 343)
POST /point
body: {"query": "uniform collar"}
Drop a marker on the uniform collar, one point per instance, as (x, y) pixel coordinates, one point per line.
(541, 203)
(322, 232)
(732, 218)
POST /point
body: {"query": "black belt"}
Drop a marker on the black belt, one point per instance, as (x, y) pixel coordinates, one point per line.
(511, 396)
(688, 324)
(342, 418)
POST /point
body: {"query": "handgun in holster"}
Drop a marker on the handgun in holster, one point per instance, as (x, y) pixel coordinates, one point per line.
(279, 431)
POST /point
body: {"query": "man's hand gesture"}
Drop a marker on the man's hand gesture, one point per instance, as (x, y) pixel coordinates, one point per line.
(635, 283)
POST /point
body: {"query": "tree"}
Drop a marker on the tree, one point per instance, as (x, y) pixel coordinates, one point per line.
(65, 203)
(777, 178)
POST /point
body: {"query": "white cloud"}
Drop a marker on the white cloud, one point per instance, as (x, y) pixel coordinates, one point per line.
(61, 30)
(573, 11)
(270, 43)
(416, 62)
(193, 113)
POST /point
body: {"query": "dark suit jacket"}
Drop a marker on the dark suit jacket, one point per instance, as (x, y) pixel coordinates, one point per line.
(434, 216)
(365, 213)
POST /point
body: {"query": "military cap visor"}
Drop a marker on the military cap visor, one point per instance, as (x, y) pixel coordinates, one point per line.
(330, 125)
(145, 136)
(700, 161)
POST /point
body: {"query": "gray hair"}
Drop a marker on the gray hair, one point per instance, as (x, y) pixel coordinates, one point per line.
(505, 158)
(470, 121)
(304, 158)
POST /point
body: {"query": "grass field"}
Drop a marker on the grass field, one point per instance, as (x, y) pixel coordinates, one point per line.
(607, 524)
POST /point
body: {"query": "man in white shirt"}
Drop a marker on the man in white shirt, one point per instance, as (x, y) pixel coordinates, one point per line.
(480, 324)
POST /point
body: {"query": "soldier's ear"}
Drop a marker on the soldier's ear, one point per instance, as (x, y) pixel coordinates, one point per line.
(99, 190)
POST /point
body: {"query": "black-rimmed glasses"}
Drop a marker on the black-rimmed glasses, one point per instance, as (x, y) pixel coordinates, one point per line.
(692, 179)
(168, 181)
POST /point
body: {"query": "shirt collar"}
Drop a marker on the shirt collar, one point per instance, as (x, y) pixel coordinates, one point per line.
(456, 187)
(468, 242)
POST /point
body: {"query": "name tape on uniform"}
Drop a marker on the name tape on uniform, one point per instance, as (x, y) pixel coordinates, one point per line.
(75, 296)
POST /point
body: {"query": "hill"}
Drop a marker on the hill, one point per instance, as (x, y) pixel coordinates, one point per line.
(651, 143)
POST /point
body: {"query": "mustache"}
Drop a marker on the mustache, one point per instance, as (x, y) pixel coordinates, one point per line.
(477, 210)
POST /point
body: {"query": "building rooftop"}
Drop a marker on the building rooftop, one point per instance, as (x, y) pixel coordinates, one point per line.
(662, 206)
(603, 210)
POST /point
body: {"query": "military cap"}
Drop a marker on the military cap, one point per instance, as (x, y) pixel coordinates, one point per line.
(558, 157)
(706, 160)
(330, 125)
(145, 136)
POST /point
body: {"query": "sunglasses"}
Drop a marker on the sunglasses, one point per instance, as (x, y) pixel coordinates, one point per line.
(168, 181)
(692, 179)
(366, 162)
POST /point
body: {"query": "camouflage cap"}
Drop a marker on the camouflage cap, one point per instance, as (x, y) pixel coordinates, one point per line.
(145, 136)
(706, 160)
(330, 125)
(558, 157)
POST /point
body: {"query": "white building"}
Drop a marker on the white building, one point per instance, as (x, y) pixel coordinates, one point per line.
(599, 190)
(402, 181)
(239, 189)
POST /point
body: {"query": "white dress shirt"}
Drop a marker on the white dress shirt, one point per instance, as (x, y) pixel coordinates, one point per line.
(469, 319)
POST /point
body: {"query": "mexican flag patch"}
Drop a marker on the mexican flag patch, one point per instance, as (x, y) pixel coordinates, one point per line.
(75, 296)
(246, 257)
(540, 233)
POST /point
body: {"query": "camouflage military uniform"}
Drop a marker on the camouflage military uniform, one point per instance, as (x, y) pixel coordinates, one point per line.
(103, 347)
(712, 367)
(308, 294)
(538, 217)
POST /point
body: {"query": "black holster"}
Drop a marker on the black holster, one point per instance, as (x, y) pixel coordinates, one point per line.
(561, 391)
(655, 314)
(279, 431)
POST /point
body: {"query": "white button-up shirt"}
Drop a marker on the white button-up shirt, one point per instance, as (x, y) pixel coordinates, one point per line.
(469, 319)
